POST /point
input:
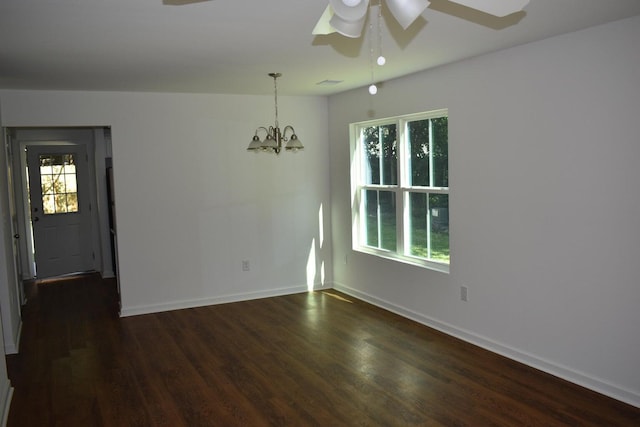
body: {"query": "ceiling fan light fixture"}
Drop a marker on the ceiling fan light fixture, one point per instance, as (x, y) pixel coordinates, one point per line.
(407, 11)
(350, 13)
(351, 29)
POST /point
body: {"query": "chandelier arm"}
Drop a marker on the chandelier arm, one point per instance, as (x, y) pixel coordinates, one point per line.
(264, 129)
(284, 132)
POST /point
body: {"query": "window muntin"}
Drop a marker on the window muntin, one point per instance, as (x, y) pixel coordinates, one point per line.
(400, 178)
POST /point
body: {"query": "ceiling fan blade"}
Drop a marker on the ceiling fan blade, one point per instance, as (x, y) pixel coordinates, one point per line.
(498, 8)
(181, 2)
(323, 26)
(351, 29)
(407, 11)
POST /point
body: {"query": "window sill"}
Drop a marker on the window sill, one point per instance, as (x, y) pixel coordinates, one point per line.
(429, 265)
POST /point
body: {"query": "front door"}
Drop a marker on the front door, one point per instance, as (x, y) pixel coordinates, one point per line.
(60, 209)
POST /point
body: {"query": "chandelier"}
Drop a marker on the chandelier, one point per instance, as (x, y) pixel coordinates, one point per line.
(275, 138)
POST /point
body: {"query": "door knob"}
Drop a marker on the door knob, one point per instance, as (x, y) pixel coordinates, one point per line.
(16, 236)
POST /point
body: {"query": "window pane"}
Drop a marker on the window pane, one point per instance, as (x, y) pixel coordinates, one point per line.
(380, 155)
(371, 217)
(47, 184)
(72, 202)
(72, 185)
(439, 211)
(371, 157)
(418, 134)
(440, 132)
(389, 154)
(387, 220)
(418, 245)
(61, 203)
(47, 204)
(429, 226)
(380, 217)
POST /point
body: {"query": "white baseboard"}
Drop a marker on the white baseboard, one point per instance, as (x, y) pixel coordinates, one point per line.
(201, 302)
(566, 373)
(6, 403)
(107, 274)
(14, 347)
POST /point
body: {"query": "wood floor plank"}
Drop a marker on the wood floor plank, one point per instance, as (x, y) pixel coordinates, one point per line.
(309, 359)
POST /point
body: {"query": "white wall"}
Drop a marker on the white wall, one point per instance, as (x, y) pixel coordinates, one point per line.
(9, 309)
(192, 203)
(545, 207)
(9, 304)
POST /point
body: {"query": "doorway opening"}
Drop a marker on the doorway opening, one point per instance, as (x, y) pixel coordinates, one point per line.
(63, 191)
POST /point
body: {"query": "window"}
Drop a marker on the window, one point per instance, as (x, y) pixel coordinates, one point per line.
(58, 183)
(400, 188)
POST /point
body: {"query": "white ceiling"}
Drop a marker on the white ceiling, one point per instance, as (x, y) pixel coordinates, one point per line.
(229, 46)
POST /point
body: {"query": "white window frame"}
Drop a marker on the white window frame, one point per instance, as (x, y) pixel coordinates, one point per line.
(401, 190)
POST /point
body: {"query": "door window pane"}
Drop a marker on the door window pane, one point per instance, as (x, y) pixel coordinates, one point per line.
(58, 183)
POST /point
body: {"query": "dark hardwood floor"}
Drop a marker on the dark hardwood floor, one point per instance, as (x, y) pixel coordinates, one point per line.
(316, 359)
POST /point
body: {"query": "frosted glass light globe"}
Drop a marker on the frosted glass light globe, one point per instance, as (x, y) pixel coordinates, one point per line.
(351, 3)
(373, 89)
(381, 60)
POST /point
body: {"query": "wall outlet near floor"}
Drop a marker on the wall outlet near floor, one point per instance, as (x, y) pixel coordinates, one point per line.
(245, 265)
(463, 293)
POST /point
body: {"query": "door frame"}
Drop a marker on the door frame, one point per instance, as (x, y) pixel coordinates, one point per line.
(94, 140)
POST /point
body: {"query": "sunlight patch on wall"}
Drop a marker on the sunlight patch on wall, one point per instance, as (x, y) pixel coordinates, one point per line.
(321, 225)
(311, 266)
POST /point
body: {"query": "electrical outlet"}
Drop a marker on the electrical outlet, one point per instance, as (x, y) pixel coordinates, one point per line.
(245, 265)
(463, 293)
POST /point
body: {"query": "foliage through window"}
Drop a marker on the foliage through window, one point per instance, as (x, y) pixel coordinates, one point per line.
(400, 184)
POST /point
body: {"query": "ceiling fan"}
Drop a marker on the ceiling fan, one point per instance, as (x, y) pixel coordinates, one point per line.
(347, 17)
(181, 2)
